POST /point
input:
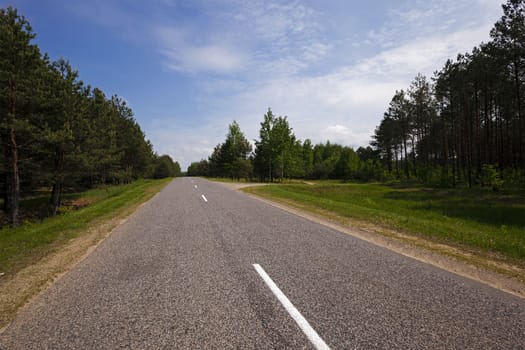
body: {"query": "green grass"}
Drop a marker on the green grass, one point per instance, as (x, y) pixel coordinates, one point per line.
(484, 220)
(27, 243)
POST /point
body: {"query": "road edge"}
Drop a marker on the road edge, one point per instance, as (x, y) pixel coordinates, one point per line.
(75, 251)
(439, 255)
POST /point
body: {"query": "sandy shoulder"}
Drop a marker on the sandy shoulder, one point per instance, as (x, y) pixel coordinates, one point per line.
(239, 185)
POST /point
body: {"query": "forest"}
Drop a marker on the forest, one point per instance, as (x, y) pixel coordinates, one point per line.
(465, 126)
(58, 134)
(279, 155)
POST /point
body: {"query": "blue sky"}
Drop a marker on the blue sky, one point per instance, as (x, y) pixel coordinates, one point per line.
(190, 67)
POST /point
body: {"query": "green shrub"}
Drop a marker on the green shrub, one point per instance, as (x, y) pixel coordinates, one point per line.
(490, 176)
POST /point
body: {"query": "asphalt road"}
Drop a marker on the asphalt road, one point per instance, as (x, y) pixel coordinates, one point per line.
(179, 274)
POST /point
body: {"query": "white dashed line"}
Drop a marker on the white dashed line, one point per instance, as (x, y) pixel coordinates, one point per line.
(204, 198)
(195, 186)
(312, 335)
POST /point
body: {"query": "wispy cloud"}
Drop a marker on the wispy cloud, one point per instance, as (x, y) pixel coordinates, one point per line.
(345, 104)
(206, 58)
(243, 56)
(423, 55)
(415, 20)
(257, 37)
(184, 57)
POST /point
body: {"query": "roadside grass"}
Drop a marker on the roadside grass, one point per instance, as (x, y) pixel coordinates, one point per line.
(476, 219)
(28, 243)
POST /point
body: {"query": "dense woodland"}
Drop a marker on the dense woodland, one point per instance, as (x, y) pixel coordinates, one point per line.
(58, 134)
(465, 126)
(278, 155)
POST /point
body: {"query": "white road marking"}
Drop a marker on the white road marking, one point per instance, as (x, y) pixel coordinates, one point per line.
(312, 335)
(204, 198)
(195, 186)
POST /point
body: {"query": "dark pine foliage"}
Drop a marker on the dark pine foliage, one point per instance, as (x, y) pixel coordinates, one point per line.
(57, 133)
(468, 126)
(464, 126)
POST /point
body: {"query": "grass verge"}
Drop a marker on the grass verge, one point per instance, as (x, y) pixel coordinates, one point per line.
(23, 245)
(490, 223)
(34, 254)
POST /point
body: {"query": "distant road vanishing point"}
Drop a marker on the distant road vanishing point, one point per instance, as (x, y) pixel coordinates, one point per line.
(201, 266)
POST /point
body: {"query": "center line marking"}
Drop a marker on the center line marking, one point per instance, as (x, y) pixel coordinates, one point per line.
(204, 198)
(312, 335)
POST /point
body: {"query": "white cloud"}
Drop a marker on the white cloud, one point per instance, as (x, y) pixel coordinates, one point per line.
(346, 104)
(424, 55)
(206, 58)
(340, 134)
(280, 54)
(275, 21)
(314, 106)
(258, 38)
(183, 145)
(180, 54)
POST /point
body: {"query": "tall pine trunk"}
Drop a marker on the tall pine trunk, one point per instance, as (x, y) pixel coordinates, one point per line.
(414, 161)
(521, 147)
(397, 161)
(56, 194)
(12, 184)
(407, 174)
(454, 150)
(270, 170)
(445, 155)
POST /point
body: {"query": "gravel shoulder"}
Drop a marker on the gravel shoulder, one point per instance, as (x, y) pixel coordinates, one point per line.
(239, 185)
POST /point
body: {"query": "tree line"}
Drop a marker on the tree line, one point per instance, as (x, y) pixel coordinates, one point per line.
(467, 124)
(464, 126)
(278, 154)
(56, 132)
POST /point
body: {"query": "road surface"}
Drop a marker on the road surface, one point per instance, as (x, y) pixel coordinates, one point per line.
(203, 267)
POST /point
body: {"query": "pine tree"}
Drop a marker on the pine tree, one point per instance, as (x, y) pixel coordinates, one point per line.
(263, 154)
(20, 62)
(509, 35)
(234, 153)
